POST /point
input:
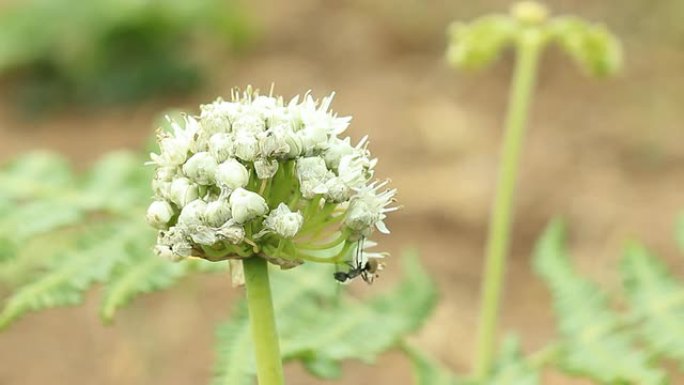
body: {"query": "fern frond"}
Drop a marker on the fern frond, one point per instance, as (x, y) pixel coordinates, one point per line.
(592, 344)
(137, 276)
(234, 364)
(363, 330)
(321, 333)
(79, 231)
(657, 302)
(427, 371)
(511, 367)
(74, 273)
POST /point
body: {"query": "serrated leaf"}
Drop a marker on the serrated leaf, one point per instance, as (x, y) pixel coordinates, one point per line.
(74, 273)
(427, 371)
(138, 276)
(657, 302)
(363, 330)
(592, 344)
(511, 368)
(234, 364)
(317, 330)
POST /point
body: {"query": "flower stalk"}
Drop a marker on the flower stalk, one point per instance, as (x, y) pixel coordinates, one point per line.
(262, 322)
(527, 50)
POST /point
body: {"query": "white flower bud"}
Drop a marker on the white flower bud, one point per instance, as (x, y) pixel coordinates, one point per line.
(356, 169)
(159, 214)
(183, 191)
(217, 213)
(248, 125)
(312, 174)
(216, 117)
(201, 168)
(246, 205)
(265, 168)
(336, 150)
(337, 190)
(174, 151)
(232, 233)
(284, 222)
(313, 137)
(191, 215)
(203, 235)
(360, 216)
(274, 142)
(246, 147)
(221, 146)
(173, 244)
(232, 174)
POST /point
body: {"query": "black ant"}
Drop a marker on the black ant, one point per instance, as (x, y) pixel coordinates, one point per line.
(366, 269)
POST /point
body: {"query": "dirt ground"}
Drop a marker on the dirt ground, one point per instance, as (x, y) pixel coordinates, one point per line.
(607, 155)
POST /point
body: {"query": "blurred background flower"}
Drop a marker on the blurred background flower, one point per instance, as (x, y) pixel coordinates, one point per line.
(606, 154)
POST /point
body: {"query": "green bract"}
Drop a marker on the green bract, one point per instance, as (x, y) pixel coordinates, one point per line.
(258, 176)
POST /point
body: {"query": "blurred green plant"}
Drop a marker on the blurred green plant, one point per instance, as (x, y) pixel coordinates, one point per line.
(597, 339)
(54, 52)
(528, 29)
(61, 234)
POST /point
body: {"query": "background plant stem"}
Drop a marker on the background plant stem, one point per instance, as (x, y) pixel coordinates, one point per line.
(501, 215)
(262, 322)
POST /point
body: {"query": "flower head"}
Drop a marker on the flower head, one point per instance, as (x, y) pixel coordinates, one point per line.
(256, 176)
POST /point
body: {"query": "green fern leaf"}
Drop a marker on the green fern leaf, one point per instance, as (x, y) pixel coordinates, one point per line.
(363, 330)
(74, 273)
(427, 371)
(136, 276)
(592, 344)
(657, 301)
(320, 332)
(235, 363)
(511, 368)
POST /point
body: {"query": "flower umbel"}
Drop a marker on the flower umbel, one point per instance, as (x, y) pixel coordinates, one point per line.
(256, 176)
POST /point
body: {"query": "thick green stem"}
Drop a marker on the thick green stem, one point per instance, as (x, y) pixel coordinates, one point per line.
(262, 322)
(501, 215)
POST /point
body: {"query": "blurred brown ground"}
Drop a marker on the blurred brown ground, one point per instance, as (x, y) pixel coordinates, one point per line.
(607, 155)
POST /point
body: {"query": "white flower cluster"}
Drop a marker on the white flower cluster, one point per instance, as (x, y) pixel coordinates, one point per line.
(258, 176)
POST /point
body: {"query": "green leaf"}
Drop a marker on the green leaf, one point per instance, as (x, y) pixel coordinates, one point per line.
(592, 344)
(138, 276)
(321, 329)
(427, 371)
(511, 367)
(657, 302)
(364, 330)
(593, 47)
(74, 273)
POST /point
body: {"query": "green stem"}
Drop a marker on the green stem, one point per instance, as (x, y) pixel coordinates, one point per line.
(500, 221)
(262, 322)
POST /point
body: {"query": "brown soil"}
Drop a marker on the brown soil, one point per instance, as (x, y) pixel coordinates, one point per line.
(606, 155)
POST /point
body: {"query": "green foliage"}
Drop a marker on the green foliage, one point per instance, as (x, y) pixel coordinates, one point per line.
(657, 303)
(592, 47)
(103, 51)
(321, 328)
(77, 232)
(510, 368)
(592, 343)
(477, 44)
